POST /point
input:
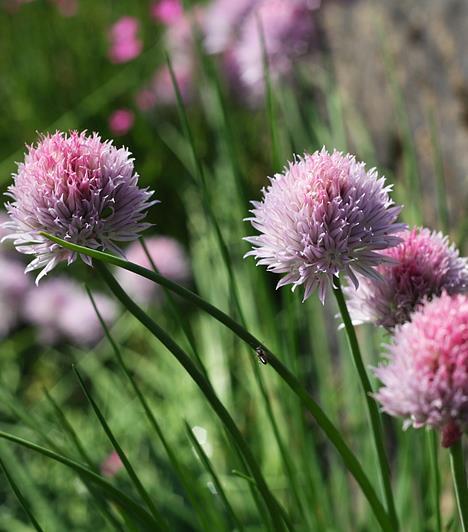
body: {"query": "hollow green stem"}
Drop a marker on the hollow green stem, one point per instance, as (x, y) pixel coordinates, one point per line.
(459, 481)
(332, 433)
(373, 411)
(432, 445)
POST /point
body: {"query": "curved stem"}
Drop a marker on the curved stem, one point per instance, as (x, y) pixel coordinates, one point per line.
(459, 482)
(372, 409)
(351, 462)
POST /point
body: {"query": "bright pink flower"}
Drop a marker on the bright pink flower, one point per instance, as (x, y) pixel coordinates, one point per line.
(78, 188)
(61, 310)
(425, 264)
(125, 44)
(169, 258)
(324, 216)
(166, 11)
(426, 378)
(111, 465)
(121, 121)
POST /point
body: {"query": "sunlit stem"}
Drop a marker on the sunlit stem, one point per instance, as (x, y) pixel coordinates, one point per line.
(373, 411)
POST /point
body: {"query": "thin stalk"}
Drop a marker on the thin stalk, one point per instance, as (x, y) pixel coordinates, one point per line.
(288, 377)
(205, 387)
(433, 446)
(22, 500)
(372, 409)
(459, 482)
(159, 519)
(217, 483)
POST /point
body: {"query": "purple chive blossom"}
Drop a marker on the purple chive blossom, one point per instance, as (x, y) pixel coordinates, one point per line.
(78, 188)
(425, 264)
(168, 256)
(425, 380)
(324, 216)
(61, 310)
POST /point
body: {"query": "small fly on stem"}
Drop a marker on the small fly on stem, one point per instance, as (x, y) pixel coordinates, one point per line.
(262, 355)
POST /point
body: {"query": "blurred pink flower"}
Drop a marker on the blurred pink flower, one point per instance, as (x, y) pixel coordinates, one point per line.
(324, 216)
(163, 88)
(125, 44)
(222, 22)
(14, 285)
(121, 121)
(145, 99)
(181, 48)
(79, 188)
(111, 465)
(425, 264)
(169, 258)
(289, 33)
(166, 11)
(426, 378)
(68, 8)
(61, 310)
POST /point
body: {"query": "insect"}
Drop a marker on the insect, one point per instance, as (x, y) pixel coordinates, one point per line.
(262, 355)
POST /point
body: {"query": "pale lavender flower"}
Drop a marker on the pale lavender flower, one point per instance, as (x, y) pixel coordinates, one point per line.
(289, 32)
(426, 378)
(222, 22)
(78, 188)
(61, 310)
(168, 256)
(324, 216)
(14, 285)
(425, 264)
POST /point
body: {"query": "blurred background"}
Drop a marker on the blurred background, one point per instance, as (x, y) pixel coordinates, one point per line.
(387, 81)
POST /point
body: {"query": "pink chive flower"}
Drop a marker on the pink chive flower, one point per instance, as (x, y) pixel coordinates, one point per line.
(78, 188)
(121, 121)
(170, 260)
(425, 380)
(324, 216)
(125, 44)
(425, 264)
(166, 11)
(289, 32)
(14, 285)
(111, 465)
(61, 310)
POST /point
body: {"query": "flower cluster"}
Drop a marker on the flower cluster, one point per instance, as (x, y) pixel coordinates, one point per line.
(425, 264)
(78, 188)
(426, 378)
(324, 216)
(231, 29)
